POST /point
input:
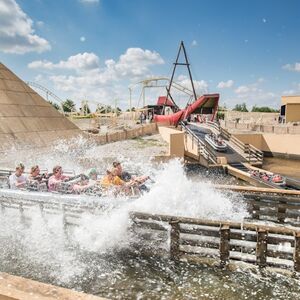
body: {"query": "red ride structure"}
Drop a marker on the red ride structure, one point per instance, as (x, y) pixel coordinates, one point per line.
(166, 110)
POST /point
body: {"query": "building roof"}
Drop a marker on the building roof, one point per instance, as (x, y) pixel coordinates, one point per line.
(162, 100)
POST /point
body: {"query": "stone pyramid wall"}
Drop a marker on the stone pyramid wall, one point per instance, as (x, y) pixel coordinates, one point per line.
(26, 119)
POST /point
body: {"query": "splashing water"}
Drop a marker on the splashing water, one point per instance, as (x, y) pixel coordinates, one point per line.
(95, 255)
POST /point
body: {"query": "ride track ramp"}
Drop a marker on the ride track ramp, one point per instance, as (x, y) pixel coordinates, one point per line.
(231, 155)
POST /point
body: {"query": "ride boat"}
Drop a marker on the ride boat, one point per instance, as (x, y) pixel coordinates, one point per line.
(269, 177)
(216, 142)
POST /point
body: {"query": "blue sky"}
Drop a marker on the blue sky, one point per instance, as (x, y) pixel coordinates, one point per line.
(248, 51)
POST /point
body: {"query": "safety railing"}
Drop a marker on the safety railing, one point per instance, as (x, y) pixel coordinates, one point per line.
(201, 146)
(251, 153)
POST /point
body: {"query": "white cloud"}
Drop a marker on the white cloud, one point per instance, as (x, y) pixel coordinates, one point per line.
(242, 89)
(16, 31)
(82, 76)
(89, 1)
(201, 86)
(82, 39)
(134, 62)
(225, 84)
(40, 24)
(254, 94)
(78, 62)
(194, 43)
(292, 67)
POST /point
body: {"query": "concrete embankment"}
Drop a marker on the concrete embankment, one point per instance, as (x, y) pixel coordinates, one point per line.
(19, 288)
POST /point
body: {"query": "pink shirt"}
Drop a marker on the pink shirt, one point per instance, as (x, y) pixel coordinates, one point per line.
(53, 182)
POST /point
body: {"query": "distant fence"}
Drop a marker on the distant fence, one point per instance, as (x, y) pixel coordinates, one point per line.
(278, 129)
(190, 238)
(125, 134)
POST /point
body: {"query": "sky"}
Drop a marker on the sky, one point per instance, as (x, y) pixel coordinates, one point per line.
(245, 50)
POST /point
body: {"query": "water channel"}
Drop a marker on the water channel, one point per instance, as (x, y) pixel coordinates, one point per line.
(97, 256)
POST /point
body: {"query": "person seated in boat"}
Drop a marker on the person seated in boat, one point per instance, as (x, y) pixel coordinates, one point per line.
(18, 180)
(127, 177)
(220, 141)
(36, 180)
(93, 174)
(265, 176)
(277, 178)
(55, 180)
(83, 184)
(35, 175)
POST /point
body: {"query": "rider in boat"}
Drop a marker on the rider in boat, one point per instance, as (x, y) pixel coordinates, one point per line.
(277, 178)
(83, 184)
(93, 174)
(18, 180)
(132, 180)
(56, 179)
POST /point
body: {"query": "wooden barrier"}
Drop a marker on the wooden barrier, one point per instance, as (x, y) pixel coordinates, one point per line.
(224, 241)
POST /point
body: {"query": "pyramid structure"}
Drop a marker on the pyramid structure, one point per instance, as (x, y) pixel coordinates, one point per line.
(26, 119)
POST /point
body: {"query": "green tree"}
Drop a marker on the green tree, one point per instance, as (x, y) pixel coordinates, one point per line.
(68, 105)
(241, 107)
(264, 109)
(103, 109)
(85, 109)
(55, 105)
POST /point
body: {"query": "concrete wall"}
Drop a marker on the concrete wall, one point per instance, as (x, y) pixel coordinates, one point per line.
(274, 144)
(251, 117)
(124, 134)
(278, 128)
(175, 139)
(292, 112)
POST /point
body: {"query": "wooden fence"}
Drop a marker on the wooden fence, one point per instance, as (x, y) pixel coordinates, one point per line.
(71, 211)
(187, 238)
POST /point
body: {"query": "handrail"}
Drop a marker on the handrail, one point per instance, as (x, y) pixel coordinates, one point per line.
(202, 148)
(254, 154)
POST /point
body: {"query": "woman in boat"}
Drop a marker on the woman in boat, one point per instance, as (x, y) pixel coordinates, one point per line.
(18, 180)
(56, 179)
(35, 175)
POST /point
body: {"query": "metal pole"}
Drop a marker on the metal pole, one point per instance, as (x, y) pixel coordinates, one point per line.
(130, 91)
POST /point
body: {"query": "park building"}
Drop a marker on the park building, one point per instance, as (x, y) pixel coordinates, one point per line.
(290, 109)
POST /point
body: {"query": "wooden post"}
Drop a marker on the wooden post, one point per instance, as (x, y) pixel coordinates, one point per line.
(281, 210)
(224, 244)
(297, 252)
(174, 239)
(41, 204)
(261, 247)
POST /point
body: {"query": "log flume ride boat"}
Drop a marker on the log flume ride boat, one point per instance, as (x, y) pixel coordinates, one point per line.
(269, 177)
(217, 143)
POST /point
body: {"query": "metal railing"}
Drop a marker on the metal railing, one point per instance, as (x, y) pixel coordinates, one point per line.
(203, 150)
(251, 153)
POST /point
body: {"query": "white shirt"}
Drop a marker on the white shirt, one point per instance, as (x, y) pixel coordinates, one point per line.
(13, 179)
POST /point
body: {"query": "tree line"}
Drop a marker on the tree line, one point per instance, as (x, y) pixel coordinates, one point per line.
(243, 108)
(69, 106)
